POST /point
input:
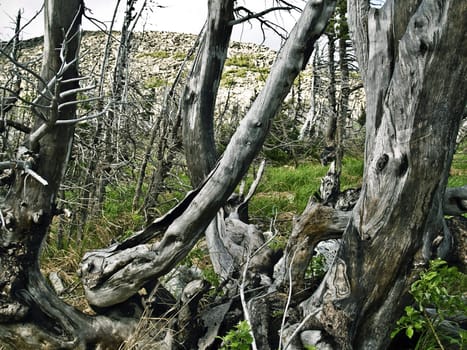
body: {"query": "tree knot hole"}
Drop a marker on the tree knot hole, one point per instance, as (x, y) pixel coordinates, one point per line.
(89, 267)
(423, 47)
(404, 165)
(382, 162)
(419, 23)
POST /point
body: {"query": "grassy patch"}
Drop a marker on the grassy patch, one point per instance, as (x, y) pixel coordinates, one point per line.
(286, 189)
(246, 61)
(238, 67)
(352, 172)
(458, 172)
(156, 54)
(162, 55)
(155, 82)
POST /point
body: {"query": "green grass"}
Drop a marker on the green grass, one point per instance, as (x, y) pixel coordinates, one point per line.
(155, 82)
(246, 61)
(285, 189)
(177, 55)
(238, 67)
(458, 172)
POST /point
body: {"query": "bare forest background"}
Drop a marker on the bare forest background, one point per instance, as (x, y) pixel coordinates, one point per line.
(130, 175)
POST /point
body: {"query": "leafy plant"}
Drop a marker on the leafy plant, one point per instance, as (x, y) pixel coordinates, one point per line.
(238, 338)
(441, 288)
(317, 267)
(310, 347)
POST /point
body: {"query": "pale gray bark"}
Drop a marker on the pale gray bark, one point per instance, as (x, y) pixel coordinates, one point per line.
(310, 125)
(201, 91)
(197, 113)
(413, 66)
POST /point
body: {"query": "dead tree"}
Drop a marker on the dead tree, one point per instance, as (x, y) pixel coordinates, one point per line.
(381, 246)
(29, 306)
(411, 56)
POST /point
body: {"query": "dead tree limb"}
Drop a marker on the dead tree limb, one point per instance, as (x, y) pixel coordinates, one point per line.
(112, 277)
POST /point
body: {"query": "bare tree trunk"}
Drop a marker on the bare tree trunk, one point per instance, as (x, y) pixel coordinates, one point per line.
(31, 315)
(201, 91)
(332, 118)
(117, 124)
(165, 134)
(343, 110)
(89, 190)
(310, 126)
(412, 59)
(198, 115)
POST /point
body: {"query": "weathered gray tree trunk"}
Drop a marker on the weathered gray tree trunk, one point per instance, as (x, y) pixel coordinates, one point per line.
(31, 315)
(197, 112)
(201, 91)
(309, 127)
(412, 58)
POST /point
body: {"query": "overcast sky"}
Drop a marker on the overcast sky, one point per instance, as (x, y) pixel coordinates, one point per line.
(185, 16)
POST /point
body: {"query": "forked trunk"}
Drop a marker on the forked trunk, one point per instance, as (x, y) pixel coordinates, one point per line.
(412, 56)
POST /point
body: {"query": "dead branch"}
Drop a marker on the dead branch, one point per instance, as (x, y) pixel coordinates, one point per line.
(255, 15)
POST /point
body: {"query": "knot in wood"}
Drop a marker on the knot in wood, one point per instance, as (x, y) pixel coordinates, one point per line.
(404, 165)
(382, 162)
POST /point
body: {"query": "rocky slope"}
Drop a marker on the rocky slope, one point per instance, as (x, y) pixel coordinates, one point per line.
(156, 58)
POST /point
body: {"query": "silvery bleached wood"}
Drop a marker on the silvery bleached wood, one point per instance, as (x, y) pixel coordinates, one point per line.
(411, 55)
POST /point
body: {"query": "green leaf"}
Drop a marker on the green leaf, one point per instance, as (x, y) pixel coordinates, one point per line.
(395, 332)
(409, 332)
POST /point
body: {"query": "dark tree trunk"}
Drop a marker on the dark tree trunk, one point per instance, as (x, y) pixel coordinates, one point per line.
(332, 118)
(31, 315)
(343, 111)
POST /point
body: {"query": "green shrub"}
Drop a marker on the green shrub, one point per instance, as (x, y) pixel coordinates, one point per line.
(443, 288)
(238, 338)
(317, 267)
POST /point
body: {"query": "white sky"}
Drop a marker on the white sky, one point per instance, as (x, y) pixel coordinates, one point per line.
(185, 16)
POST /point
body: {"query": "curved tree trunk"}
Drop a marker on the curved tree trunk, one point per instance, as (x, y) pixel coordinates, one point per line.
(114, 274)
(412, 56)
